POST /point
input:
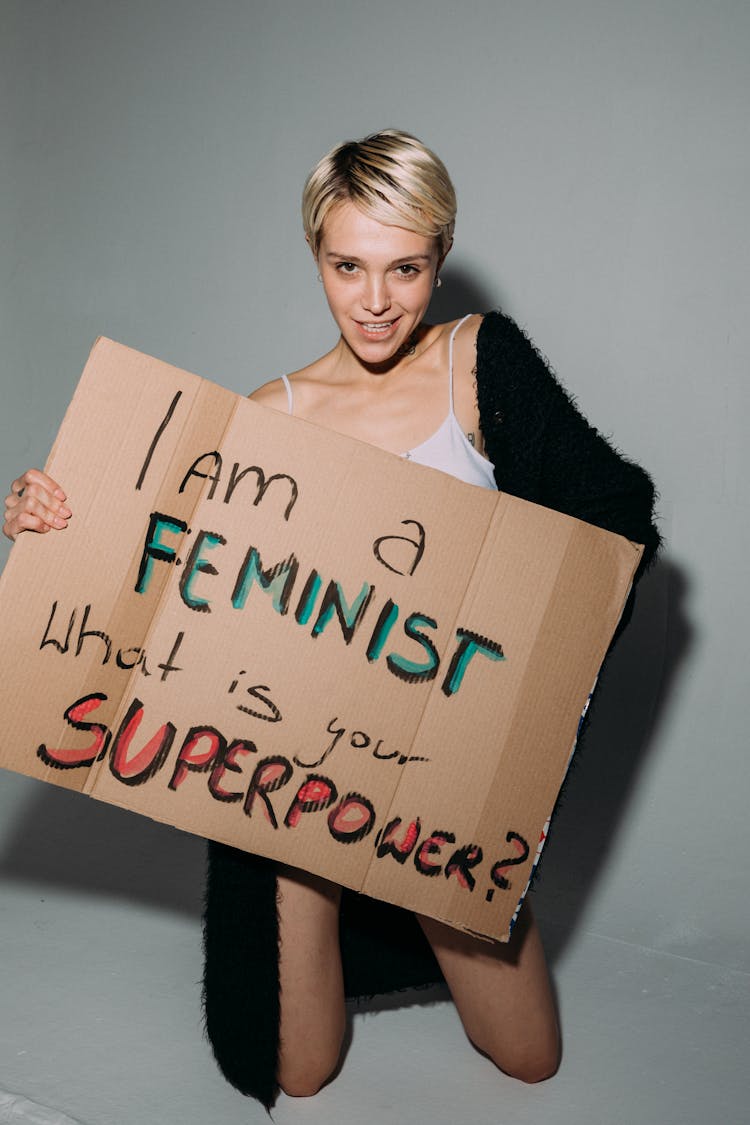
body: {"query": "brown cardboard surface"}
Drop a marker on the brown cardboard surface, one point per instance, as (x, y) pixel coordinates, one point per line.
(278, 637)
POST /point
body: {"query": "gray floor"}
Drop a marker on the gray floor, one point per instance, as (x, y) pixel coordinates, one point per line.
(100, 1021)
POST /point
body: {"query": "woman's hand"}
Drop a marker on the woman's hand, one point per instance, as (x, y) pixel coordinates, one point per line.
(35, 503)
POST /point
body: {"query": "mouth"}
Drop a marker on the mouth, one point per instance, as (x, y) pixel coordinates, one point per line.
(377, 329)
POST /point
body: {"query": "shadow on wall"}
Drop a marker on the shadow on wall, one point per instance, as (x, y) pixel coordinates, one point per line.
(72, 842)
(460, 294)
(633, 696)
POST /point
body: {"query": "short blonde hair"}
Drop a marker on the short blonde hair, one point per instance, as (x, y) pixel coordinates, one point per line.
(392, 177)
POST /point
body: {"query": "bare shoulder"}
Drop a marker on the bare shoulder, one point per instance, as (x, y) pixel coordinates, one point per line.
(464, 378)
(271, 394)
(465, 350)
(465, 343)
(303, 386)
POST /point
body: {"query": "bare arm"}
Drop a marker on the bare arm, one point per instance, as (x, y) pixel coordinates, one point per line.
(465, 380)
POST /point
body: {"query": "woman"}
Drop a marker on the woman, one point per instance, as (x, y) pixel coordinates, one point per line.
(473, 399)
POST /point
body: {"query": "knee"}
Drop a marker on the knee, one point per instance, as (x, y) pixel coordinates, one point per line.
(304, 1077)
(304, 1081)
(301, 1085)
(529, 1063)
(536, 1069)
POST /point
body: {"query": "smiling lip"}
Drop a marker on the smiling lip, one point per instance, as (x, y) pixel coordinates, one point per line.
(377, 329)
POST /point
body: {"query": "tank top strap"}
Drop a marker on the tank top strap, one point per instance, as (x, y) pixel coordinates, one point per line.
(454, 330)
(289, 395)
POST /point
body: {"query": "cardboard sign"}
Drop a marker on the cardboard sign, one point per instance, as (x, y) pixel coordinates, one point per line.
(290, 641)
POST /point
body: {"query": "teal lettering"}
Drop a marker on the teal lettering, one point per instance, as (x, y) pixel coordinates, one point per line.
(386, 620)
(155, 549)
(308, 597)
(196, 565)
(410, 670)
(468, 645)
(349, 616)
(277, 580)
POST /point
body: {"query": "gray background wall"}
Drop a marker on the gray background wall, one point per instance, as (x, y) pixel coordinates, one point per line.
(152, 159)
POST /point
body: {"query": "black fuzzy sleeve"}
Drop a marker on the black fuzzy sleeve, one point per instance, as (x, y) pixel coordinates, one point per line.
(241, 970)
(543, 448)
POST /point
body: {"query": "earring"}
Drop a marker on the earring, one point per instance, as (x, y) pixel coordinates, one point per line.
(438, 282)
(319, 278)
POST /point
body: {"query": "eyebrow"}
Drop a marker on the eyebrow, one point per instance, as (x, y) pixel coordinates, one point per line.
(397, 262)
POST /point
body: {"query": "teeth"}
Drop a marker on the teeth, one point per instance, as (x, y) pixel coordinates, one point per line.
(377, 327)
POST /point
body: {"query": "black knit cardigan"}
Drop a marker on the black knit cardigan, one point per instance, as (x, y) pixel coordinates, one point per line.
(544, 451)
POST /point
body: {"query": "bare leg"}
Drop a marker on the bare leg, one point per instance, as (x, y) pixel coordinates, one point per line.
(503, 995)
(311, 982)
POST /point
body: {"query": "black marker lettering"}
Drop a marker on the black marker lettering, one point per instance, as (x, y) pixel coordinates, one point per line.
(214, 476)
(270, 774)
(261, 485)
(418, 545)
(47, 640)
(162, 427)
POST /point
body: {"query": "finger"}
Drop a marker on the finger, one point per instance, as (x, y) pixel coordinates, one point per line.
(34, 494)
(35, 507)
(53, 516)
(26, 521)
(38, 477)
(30, 521)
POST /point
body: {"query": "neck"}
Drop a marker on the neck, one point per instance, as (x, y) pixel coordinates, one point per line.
(400, 359)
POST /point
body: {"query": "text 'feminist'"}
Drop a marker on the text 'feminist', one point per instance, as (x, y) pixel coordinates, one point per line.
(314, 603)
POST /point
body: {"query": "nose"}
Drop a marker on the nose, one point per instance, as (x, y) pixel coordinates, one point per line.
(376, 298)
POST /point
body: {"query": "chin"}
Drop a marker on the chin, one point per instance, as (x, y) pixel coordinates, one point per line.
(376, 353)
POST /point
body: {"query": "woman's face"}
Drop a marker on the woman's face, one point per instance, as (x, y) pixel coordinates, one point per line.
(378, 280)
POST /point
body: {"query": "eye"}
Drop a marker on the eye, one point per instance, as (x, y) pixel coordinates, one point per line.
(346, 267)
(407, 270)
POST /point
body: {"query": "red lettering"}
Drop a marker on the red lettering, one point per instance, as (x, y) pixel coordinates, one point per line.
(197, 754)
(314, 794)
(352, 819)
(65, 758)
(270, 774)
(389, 844)
(432, 846)
(143, 764)
(229, 762)
(461, 863)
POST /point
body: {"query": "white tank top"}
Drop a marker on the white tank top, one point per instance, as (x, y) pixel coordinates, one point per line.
(448, 449)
